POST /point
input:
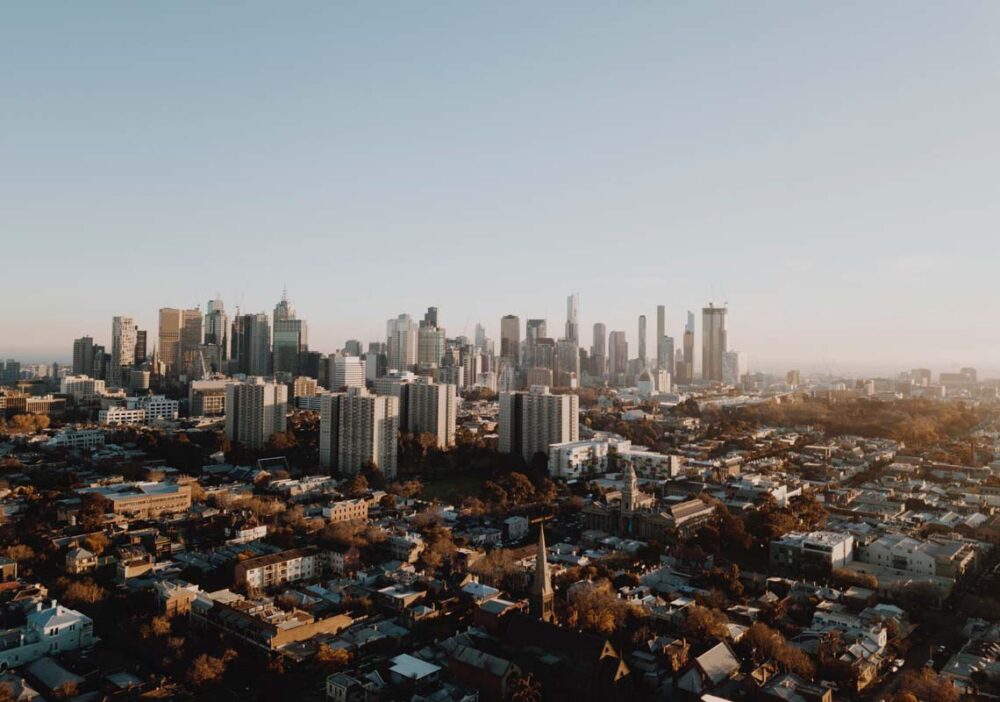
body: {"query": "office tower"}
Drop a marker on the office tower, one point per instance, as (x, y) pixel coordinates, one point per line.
(734, 367)
(430, 345)
(348, 372)
(376, 365)
(358, 430)
(122, 351)
(573, 318)
(531, 421)
(81, 387)
(255, 410)
(510, 339)
(662, 362)
(430, 318)
(432, 409)
(617, 356)
(534, 330)
(290, 340)
(170, 338)
(642, 340)
(352, 347)
(101, 362)
(402, 342)
(684, 368)
(472, 365)
(11, 371)
(794, 379)
(140, 347)
(665, 351)
(567, 364)
(480, 337)
(260, 345)
(83, 356)
(190, 346)
(713, 342)
(598, 351)
(217, 327)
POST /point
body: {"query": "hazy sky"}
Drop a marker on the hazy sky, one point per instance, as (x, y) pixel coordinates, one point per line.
(832, 170)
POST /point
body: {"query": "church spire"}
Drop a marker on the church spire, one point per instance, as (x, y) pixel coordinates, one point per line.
(542, 596)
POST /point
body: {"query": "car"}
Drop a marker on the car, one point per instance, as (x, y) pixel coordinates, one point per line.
(894, 669)
(899, 662)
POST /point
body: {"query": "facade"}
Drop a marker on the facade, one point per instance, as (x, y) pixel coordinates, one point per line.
(430, 345)
(348, 372)
(77, 439)
(47, 631)
(713, 342)
(122, 351)
(617, 356)
(432, 409)
(291, 339)
(189, 363)
(83, 356)
(255, 410)
(532, 421)
(170, 338)
(510, 339)
(81, 387)
(278, 568)
(207, 398)
(402, 340)
(734, 367)
(144, 500)
(573, 318)
(817, 550)
(355, 510)
(598, 351)
(358, 429)
(643, 360)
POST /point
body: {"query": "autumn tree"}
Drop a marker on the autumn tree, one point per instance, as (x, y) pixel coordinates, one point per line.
(703, 623)
(927, 686)
(524, 688)
(596, 607)
(329, 659)
(768, 644)
(205, 670)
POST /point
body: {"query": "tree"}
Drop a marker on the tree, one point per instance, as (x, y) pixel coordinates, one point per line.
(703, 623)
(206, 670)
(329, 659)
(927, 686)
(83, 592)
(97, 543)
(357, 486)
(768, 644)
(524, 688)
(596, 607)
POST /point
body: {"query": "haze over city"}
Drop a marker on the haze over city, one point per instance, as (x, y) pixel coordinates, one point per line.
(830, 172)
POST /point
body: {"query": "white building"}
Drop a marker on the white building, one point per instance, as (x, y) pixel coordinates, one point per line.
(734, 367)
(78, 438)
(432, 409)
(402, 342)
(255, 410)
(348, 372)
(277, 568)
(121, 415)
(358, 429)
(824, 550)
(47, 631)
(81, 387)
(531, 421)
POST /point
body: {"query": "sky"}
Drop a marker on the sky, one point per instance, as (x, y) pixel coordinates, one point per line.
(829, 170)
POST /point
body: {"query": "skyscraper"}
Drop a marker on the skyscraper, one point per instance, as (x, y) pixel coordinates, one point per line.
(661, 332)
(617, 356)
(83, 356)
(291, 339)
(430, 345)
(510, 339)
(713, 342)
(170, 338)
(402, 342)
(430, 318)
(599, 350)
(217, 326)
(642, 341)
(573, 318)
(358, 429)
(122, 351)
(255, 410)
(734, 367)
(432, 409)
(534, 330)
(140, 346)
(685, 368)
(190, 345)
(567, 366)
(530, 421)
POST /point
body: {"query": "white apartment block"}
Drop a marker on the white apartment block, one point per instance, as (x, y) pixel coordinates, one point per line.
(277, 568)
(81, 387)
(824, 550)
(255, 410)
(432, 409)
(78, 439)
(358, 429)
(304, 386)
(348, 372)
(121, 415)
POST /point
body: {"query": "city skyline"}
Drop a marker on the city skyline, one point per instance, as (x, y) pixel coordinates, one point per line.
(828, 172)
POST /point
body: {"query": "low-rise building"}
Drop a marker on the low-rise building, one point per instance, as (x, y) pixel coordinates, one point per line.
(278, 568)
(822, 550)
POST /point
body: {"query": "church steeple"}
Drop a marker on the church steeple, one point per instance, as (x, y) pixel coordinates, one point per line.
(541, 599)
(630, 490)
